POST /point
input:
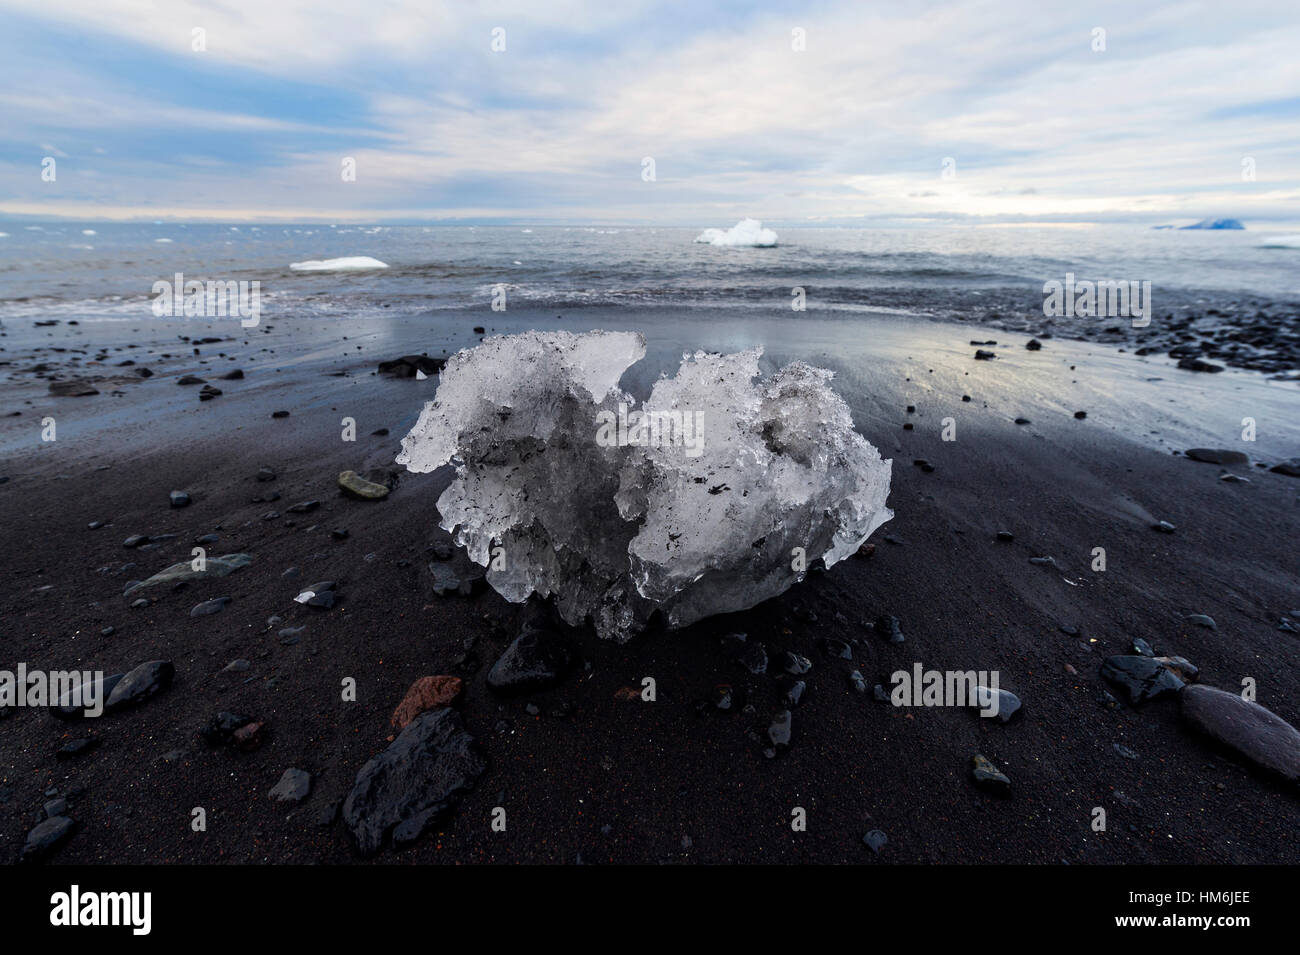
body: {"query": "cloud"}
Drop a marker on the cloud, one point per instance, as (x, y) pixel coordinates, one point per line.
(857, 125)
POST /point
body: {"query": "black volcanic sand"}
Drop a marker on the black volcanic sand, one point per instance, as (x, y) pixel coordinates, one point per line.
(670, 780)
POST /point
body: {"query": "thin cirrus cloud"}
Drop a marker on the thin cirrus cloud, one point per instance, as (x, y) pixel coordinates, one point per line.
(857, 127)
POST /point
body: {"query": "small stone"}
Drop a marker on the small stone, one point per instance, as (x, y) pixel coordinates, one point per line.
(1142, 648)
(1202, 620)
(795, 664)
(875, 840)
(426, 693)
(536, 659)
(1142, 678)
(293, 786)
(1033, 344)
(209, 607)
(1005, 537)
(888, 627)
(46, 837)
(779, 732)
(1221, 456)
(179, 499)
(355, 486)
(982, 355)
(753, 658)
(237, 666)
(145, 681)
(989, 777)
(303, 507)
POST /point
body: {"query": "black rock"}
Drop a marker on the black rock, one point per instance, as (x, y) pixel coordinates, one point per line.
(179, 499)
(190, 380)
(1033, 344)
(795, 664)
(1142, 678)
(1196, 364)
(1217, 456)
(76, 747)
(1142, 648)
(988, 777)
(875, 840)
(145, 681)
(209, 607)
(1006, 536)
(303, 507)
(538, 658)
(279, 414)
(408, 365)
(888, 628)
(294, 786)
(415, 780)
(792, 691)
(235, 375)
(265, 474)
(835, 648)
(46, 837)
(983, 355)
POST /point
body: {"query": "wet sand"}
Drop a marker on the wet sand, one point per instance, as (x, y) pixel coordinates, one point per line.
(593, 776)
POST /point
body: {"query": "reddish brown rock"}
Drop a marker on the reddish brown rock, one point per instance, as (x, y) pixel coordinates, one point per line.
(250, 736)
(426, 693)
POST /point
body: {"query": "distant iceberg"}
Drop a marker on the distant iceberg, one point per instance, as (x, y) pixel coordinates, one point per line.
(347, 264)
(746, 232)
(1216, 224)
(1281, 242)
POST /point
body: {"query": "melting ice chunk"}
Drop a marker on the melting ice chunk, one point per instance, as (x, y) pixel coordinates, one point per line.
(712, 497)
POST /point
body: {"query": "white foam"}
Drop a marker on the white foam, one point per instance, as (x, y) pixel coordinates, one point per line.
(349, 263)
(746, 232)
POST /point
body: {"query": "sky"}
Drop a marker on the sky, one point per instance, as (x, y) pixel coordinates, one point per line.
(853, 113)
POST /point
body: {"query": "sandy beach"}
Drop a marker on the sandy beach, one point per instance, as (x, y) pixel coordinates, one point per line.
(585, 769)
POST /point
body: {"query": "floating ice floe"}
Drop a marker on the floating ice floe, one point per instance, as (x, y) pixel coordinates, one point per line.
(347, 264)
(715, 495)
(746, 232)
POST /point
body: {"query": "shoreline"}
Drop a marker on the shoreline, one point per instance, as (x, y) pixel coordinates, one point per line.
(591, 773)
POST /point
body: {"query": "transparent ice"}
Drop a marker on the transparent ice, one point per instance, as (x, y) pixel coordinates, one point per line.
(618, 531)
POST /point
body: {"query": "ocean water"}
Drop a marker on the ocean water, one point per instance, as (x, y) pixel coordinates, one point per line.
(94, 271)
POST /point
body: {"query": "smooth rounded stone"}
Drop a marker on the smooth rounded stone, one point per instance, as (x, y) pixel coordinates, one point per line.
(426, 693)
(190, 380)
(1007, 703)
(279, 414)
(46, 837)
(1122, 750)
(72, 389)
(780, 730)
(988, 777)
(179, 499)
(265, 474)
(1023, 421)
(1290, 467)
(1080, 415)
(340, 533)
(536, 659)
(1196, 364)
(1141, 678)
(1142, 648)
(145, 681)
(888, 628)
(206, 539)
(858, 681)
(983, 355)
(207, 393)
(1217, 456)
(55, 807)
(209, 607)
(355, 486)
(875, 840)
(1164, 527)
(108, 631)
(135, 540)
(1202, 620)
(237, 666)
(221, 566)
(320, 595)
(1255, 734)
(1233, 479)
(795, 664)
(303, 507)
(1005, 537)
(236, 375)
(96, 525)
(1033, 344)
(418, 777)
(294, 785)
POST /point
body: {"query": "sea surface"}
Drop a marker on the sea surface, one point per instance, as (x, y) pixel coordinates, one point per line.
(90, 271)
